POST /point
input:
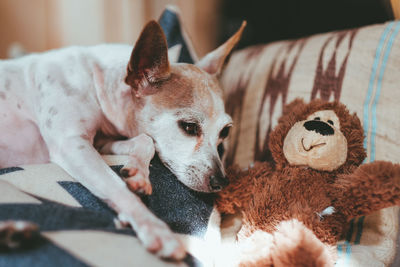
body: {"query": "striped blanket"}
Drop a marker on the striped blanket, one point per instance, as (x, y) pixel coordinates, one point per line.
(361, 68)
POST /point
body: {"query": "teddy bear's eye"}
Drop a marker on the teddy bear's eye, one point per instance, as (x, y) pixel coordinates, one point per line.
(330, 122)
(317, 118)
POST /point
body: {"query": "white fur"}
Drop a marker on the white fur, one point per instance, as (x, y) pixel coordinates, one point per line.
(328, 211)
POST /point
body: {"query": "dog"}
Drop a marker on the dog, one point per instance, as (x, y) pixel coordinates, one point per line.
(67, 105)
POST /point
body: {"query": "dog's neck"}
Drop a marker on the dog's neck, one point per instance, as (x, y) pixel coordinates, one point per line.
(120, 108)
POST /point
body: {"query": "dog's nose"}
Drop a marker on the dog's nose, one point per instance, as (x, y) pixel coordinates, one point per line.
(218, 182)
(320, 127)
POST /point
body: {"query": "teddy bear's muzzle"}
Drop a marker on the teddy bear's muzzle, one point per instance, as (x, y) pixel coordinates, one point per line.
(308, 144)
(316, 144)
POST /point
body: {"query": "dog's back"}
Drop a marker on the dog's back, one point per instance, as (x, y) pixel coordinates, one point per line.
(39, 85)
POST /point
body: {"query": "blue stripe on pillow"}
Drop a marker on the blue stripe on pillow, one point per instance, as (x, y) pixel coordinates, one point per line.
(372, 80)
(379, 86)
(366, 118)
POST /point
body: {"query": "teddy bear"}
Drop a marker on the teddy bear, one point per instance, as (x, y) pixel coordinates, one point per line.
(295, 208)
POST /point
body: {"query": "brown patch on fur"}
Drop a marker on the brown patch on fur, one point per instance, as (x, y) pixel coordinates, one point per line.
(81, 147)
(199, 142)
(3, 95)
(19, 106)
(187, 86)
(274, 192)
(176, 92)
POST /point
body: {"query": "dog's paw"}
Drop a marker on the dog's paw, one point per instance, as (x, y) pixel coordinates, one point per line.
(16, 234)
(160, 240)
(139, 184)
(136, 176)
(157, 238)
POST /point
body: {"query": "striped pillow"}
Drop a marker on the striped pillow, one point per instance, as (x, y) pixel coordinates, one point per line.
(359, 67)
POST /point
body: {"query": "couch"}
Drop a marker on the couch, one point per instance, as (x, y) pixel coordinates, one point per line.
(360, 67)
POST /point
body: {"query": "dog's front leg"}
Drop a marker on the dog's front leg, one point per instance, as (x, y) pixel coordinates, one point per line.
(140, 150)
(79, 158)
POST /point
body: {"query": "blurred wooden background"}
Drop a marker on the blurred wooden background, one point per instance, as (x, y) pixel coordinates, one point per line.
(39, 25)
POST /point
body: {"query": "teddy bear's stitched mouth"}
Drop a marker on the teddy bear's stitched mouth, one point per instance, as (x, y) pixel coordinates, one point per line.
(311, 147)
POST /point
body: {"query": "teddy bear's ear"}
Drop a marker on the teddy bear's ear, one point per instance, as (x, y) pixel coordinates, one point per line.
(294, 107)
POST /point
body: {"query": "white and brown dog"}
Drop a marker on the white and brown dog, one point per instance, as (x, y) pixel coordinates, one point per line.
(66, 105)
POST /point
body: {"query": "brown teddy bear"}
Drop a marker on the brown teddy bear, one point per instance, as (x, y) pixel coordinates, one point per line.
(295, 209)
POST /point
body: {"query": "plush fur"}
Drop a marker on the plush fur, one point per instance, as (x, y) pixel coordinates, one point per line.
(272, 193)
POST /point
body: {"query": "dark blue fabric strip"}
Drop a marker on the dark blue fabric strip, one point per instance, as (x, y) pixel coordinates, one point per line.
(171, 25)
(11, 169)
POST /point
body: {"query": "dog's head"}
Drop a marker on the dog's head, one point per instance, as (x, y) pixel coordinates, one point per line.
(182, 108)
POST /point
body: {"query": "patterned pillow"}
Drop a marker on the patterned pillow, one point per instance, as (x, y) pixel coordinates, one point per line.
(361, 68)
(78, 229)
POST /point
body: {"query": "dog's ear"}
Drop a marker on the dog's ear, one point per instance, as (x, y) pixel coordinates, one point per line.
(214, 61)
(149, 60)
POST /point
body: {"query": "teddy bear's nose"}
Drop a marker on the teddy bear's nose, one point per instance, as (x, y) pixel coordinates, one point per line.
(320, 127)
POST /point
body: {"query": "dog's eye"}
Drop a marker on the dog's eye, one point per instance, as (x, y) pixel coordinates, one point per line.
(317, 118)
(224, 132)
(189, 128)
(330, 122)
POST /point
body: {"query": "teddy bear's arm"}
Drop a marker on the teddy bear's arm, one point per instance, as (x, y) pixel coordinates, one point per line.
(370, 187)
(242, 187)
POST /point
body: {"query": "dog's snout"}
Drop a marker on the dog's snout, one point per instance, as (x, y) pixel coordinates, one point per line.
(320, 127)
(217, 182)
